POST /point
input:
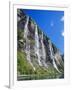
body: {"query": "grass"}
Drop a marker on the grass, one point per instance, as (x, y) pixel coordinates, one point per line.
(24, 68)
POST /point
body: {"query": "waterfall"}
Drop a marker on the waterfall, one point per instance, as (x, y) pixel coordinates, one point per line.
(43, 51)
(27, 48)
(26, 28)
(37, 45)
(52, 56)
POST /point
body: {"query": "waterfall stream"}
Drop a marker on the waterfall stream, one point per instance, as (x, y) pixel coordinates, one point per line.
(26, 28)
(43, 51)
(37, 45)
(27, 49)
(52, 56)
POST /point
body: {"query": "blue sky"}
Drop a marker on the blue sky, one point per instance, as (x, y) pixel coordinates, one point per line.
(51, 23)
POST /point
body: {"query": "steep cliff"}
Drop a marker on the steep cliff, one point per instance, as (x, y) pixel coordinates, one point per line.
(35, 50)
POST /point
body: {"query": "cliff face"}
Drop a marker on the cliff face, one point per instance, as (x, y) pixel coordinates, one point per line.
(38, 48)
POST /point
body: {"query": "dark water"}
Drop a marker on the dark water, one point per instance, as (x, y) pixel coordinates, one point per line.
(61, 76)
(36, 77)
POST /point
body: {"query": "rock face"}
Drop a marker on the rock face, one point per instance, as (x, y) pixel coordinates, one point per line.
(40, 51)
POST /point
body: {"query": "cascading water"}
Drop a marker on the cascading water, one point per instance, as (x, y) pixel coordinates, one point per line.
(37, 44)
(26, 28)
(27, 49)
(43, 51)
(52, 56)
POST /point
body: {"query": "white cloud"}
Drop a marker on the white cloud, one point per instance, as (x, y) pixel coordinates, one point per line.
(62, 19)
(62, 33)
(52, 23)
